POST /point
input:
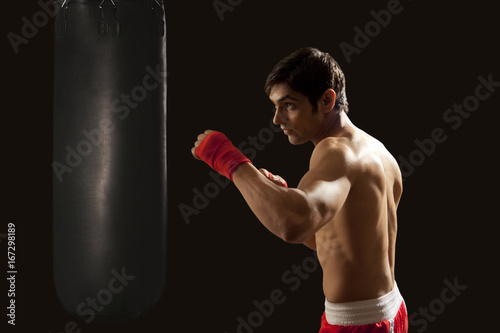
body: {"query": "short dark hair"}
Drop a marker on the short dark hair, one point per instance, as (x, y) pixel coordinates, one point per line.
(311, 72)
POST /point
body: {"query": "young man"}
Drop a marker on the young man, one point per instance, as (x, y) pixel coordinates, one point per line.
(345, 205)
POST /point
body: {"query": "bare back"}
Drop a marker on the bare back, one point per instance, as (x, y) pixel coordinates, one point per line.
(356, 249)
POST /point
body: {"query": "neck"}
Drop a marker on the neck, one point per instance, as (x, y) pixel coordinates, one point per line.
(333, 125)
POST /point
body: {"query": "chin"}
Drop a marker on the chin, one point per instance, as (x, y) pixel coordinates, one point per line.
(295, 140)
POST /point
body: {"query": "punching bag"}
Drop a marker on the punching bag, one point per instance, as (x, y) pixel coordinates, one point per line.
(109, 157)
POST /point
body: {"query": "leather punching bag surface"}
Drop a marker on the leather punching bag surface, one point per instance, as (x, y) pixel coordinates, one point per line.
(109, 157)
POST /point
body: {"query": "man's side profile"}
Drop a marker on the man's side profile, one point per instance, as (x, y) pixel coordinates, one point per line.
(344, 207)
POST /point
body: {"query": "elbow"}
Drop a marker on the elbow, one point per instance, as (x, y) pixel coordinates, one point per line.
(297, 220)
(302, 225)
(297, 231)
(293, 237)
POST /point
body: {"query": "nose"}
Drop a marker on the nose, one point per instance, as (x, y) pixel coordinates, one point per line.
(278, 117)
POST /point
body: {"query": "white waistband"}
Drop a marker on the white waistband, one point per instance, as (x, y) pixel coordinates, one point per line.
(364, 312)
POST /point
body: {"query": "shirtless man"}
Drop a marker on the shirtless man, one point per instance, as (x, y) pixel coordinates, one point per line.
(345, 205)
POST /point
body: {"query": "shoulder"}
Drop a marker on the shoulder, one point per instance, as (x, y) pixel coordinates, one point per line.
(331, 146)
(332, 155)
(329, 167)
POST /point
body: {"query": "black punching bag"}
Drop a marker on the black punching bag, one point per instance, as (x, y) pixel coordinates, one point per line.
(109, 157)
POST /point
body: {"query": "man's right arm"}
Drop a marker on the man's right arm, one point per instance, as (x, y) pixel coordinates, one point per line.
(295, 214)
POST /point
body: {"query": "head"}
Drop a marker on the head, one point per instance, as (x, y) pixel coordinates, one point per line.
(307, 88)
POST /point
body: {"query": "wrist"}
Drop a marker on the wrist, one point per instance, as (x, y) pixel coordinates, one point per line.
(241, 170)
(220, 154)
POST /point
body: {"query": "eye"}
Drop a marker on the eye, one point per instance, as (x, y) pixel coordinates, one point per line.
(289, 106)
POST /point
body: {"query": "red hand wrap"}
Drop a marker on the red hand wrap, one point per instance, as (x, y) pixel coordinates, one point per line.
(218, 152)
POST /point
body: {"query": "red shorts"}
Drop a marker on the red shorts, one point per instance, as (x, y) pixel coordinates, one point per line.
(386, 314)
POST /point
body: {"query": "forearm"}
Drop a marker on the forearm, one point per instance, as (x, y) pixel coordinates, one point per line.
(283, 211)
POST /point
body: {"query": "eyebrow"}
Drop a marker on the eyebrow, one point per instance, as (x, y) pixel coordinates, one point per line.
(287, 96)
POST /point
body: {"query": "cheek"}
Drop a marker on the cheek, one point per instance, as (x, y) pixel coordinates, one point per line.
(301, 122)
(295, 119)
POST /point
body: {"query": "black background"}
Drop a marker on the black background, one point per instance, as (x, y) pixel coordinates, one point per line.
(399, 86)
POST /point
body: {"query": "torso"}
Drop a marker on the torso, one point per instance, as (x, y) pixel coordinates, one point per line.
(356, 249)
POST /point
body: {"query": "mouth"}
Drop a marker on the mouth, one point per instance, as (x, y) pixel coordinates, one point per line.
(287, 131)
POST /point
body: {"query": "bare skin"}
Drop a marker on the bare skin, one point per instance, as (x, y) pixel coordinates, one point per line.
(344, 207)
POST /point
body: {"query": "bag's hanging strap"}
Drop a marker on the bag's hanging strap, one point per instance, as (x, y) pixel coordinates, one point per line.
(158, 16)
(103, 1)
(108, 23)
(61, 8)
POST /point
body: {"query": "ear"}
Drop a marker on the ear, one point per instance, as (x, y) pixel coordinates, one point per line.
(327, 101)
